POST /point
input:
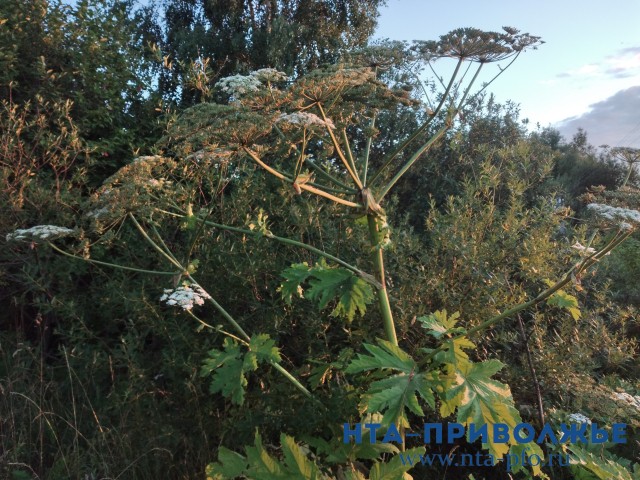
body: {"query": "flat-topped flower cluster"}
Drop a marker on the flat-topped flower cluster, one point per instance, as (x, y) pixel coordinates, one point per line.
(39, 232)
(185, 297)
(627, 216)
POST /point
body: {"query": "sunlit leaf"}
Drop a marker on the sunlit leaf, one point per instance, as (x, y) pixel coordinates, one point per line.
(394, 394)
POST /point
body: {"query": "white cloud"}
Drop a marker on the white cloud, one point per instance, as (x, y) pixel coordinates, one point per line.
(624, 63)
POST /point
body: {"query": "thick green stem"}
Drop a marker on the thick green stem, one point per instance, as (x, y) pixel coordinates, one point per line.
(626, 179)
(375, 237)
(367, 150)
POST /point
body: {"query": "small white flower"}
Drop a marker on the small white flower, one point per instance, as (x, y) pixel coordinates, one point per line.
(185, 297)
(269, 75)
(579, 418)
(305, 119)
(616, 213)
(631, 400)
(582, 249)
(39, 232)
(237, 85)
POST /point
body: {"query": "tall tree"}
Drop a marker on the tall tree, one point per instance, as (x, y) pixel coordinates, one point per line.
(239, 35)
(91, 54)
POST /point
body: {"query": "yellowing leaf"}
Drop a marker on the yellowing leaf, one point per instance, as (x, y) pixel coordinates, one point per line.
(481, 400)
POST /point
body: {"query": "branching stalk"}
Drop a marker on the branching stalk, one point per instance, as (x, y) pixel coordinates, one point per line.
(303, 186)
(367, 150)
(411, 161)
(420, 129)
(219, 307)
(336, 145)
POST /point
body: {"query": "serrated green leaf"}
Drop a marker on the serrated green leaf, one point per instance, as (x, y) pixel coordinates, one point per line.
(296, 461)
(228, 369)
(387, 356)
(481, 400)
(454, 352)
(528, 449)
(394, 394)
(229, 366)
(230, 465)
(294, 277)
(395, 469)
(439, 324)
(327, 284)
(356, 295)
(597, 466)
(353, 293)
(562, 299)
(264, 348)
(261, 464)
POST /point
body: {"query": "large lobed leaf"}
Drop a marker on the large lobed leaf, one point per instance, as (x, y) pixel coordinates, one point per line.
(396, 393)
(228, 367)
(325, 285)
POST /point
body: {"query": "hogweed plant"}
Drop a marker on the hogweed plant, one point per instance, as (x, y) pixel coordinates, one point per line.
(316, 135)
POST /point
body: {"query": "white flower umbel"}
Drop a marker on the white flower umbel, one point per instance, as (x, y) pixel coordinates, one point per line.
(185, 297)
(269, 75)
(237, 85)
(625, 215)
(305, 119)
(579, 418)
(633, 401)
(39, 232)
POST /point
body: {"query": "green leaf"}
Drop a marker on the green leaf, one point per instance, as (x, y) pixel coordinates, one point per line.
(481, 400)
(562, 299)
(294, 277)
(296, 460)
(438, 324)
(327, 284)
(394, 469)
(387, 356)
(393, 394)
(230, 465)
(352, 292)
(598, 466)
(262, 349)
(529, 449)
(228, 370)
(229, 366)
(261, 464)
(442, 327)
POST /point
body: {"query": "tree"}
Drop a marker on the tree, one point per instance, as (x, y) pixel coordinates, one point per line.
(237, 36)
(92, 55)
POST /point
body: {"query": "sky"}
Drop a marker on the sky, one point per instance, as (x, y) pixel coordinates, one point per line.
(586, 74)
